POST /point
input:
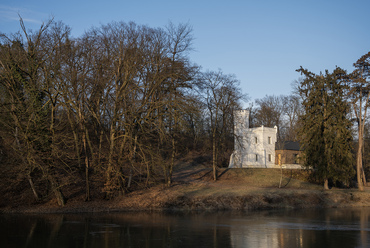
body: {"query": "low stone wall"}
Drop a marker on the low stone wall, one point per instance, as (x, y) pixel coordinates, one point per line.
(293, 166)
(275, 166)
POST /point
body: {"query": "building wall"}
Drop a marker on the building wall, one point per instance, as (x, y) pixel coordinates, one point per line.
(288, 157)
(254, 147)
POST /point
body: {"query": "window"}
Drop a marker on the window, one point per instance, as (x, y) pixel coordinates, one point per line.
(255, 139)
(295, 158)
(269, 140)
(269, 157)
(256, 156)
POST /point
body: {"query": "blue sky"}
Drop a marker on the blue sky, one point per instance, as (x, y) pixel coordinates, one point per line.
(261, 42)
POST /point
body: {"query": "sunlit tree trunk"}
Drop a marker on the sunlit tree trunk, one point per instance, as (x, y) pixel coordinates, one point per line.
(359, 168)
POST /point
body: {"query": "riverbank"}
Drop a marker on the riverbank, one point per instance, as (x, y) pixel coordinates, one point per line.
(237, 189)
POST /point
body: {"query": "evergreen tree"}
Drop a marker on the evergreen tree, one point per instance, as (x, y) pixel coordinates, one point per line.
(325, 130)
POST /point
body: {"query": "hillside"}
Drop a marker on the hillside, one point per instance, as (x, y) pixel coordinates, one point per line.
(237, 189)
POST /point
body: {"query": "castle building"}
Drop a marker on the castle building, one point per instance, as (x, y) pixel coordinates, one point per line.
(253, 147)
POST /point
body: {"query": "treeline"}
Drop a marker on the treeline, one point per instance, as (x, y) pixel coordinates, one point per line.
(113, 108)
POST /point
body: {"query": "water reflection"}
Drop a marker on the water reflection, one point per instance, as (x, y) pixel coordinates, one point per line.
(305, 228)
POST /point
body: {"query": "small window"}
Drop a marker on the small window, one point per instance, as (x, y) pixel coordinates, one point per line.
(295, 158)
(269, 140)
(255, 139)
(269, 157)
(256, 156)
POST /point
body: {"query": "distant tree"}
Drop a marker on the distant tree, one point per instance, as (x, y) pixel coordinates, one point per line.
(269, 111)
(325, 130)
(292, 110)
(281, 111)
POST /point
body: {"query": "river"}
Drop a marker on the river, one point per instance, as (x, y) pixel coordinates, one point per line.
(281, 228)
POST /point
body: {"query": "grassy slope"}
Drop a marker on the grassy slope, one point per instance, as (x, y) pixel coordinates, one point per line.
(243, 189)
(236, 189)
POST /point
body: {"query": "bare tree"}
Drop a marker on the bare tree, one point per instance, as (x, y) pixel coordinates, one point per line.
(25, 75)
(222, 95)
(292, 111)
(180, 44)
(270, 112)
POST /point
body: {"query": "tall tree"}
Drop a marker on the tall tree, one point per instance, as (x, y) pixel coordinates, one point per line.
(325, 130)
(33, 102)
(222, 95)
(180, 44)
(360, 95)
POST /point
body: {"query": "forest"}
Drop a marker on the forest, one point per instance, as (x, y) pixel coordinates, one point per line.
(113, 110)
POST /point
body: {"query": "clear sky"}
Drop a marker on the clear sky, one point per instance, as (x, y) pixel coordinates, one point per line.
(261, 42)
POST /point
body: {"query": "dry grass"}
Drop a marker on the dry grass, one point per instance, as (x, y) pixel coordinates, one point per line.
(268, 178)
(241, 189)
(193, 188)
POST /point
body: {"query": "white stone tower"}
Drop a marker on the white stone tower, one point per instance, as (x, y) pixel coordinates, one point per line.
(253, 147)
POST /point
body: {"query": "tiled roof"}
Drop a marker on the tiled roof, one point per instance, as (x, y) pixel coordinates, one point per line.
(287, 145)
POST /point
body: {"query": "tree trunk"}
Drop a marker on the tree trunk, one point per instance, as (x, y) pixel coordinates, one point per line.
(57, 192)
(87, 179)
(129, 179)
(360, 183)
(100, 146)
(29, 178)
(90, 161)
(363, 176)
(170, 169)
(33, 187)
(326, 184)
(133, 159)
(281, 175)
(214, 157)
(109, 185)
(75, 138)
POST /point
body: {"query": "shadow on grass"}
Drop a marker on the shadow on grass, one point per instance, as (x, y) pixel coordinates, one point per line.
(223, 172)
(290, 179)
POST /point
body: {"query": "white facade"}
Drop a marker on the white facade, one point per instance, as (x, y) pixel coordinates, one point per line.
(254, 147)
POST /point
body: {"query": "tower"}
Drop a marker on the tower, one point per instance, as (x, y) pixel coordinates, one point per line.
(241, 120)
(253, 147)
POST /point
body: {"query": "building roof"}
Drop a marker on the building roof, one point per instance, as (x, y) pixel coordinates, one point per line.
(287, 145)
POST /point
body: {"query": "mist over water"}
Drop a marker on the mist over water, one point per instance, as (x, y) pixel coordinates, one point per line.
(298, 228)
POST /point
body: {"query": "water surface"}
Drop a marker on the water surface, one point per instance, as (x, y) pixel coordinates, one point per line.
(298, 228)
